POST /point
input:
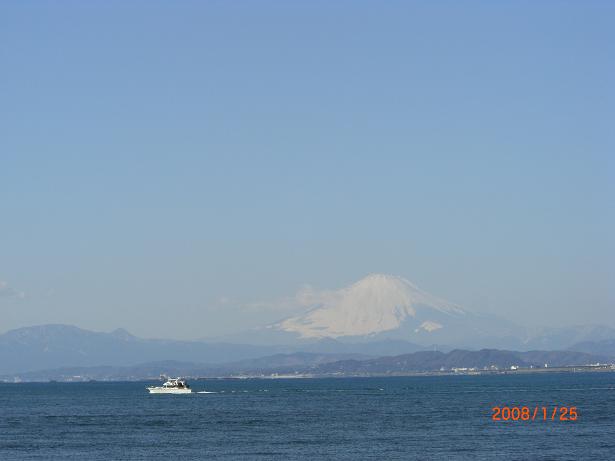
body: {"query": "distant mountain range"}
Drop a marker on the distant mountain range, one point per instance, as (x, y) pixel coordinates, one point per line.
(480, 360)
(50, 346)
(61, 352)
(53, 346)
(380, 315)
(310, 364)
(604, 347)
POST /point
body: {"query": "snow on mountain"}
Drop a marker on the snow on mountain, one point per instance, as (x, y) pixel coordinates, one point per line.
(375, 304)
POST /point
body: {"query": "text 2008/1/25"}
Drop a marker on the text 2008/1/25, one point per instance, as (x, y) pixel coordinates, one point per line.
(537, 413)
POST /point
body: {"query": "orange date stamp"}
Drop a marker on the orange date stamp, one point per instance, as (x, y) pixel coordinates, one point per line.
(536, 413)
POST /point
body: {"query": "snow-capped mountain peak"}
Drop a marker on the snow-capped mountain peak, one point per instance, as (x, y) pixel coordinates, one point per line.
(374, 304)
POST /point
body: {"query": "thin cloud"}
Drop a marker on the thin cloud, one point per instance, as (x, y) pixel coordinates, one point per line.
(7, 291)
(306, 297)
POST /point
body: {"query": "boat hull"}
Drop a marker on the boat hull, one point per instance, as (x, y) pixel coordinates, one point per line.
(162, 390)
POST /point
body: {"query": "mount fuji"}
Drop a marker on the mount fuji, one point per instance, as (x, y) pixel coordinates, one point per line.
(376, 304)
(388, 307)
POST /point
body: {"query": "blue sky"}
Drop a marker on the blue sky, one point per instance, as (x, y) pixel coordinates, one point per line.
(201, 157)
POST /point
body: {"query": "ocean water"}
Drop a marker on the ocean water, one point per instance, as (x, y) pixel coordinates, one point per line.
(419, 418)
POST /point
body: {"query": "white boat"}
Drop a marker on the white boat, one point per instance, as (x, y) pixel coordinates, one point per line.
(171, 386)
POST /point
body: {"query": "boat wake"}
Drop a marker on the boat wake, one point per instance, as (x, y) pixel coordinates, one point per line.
(206, 392)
